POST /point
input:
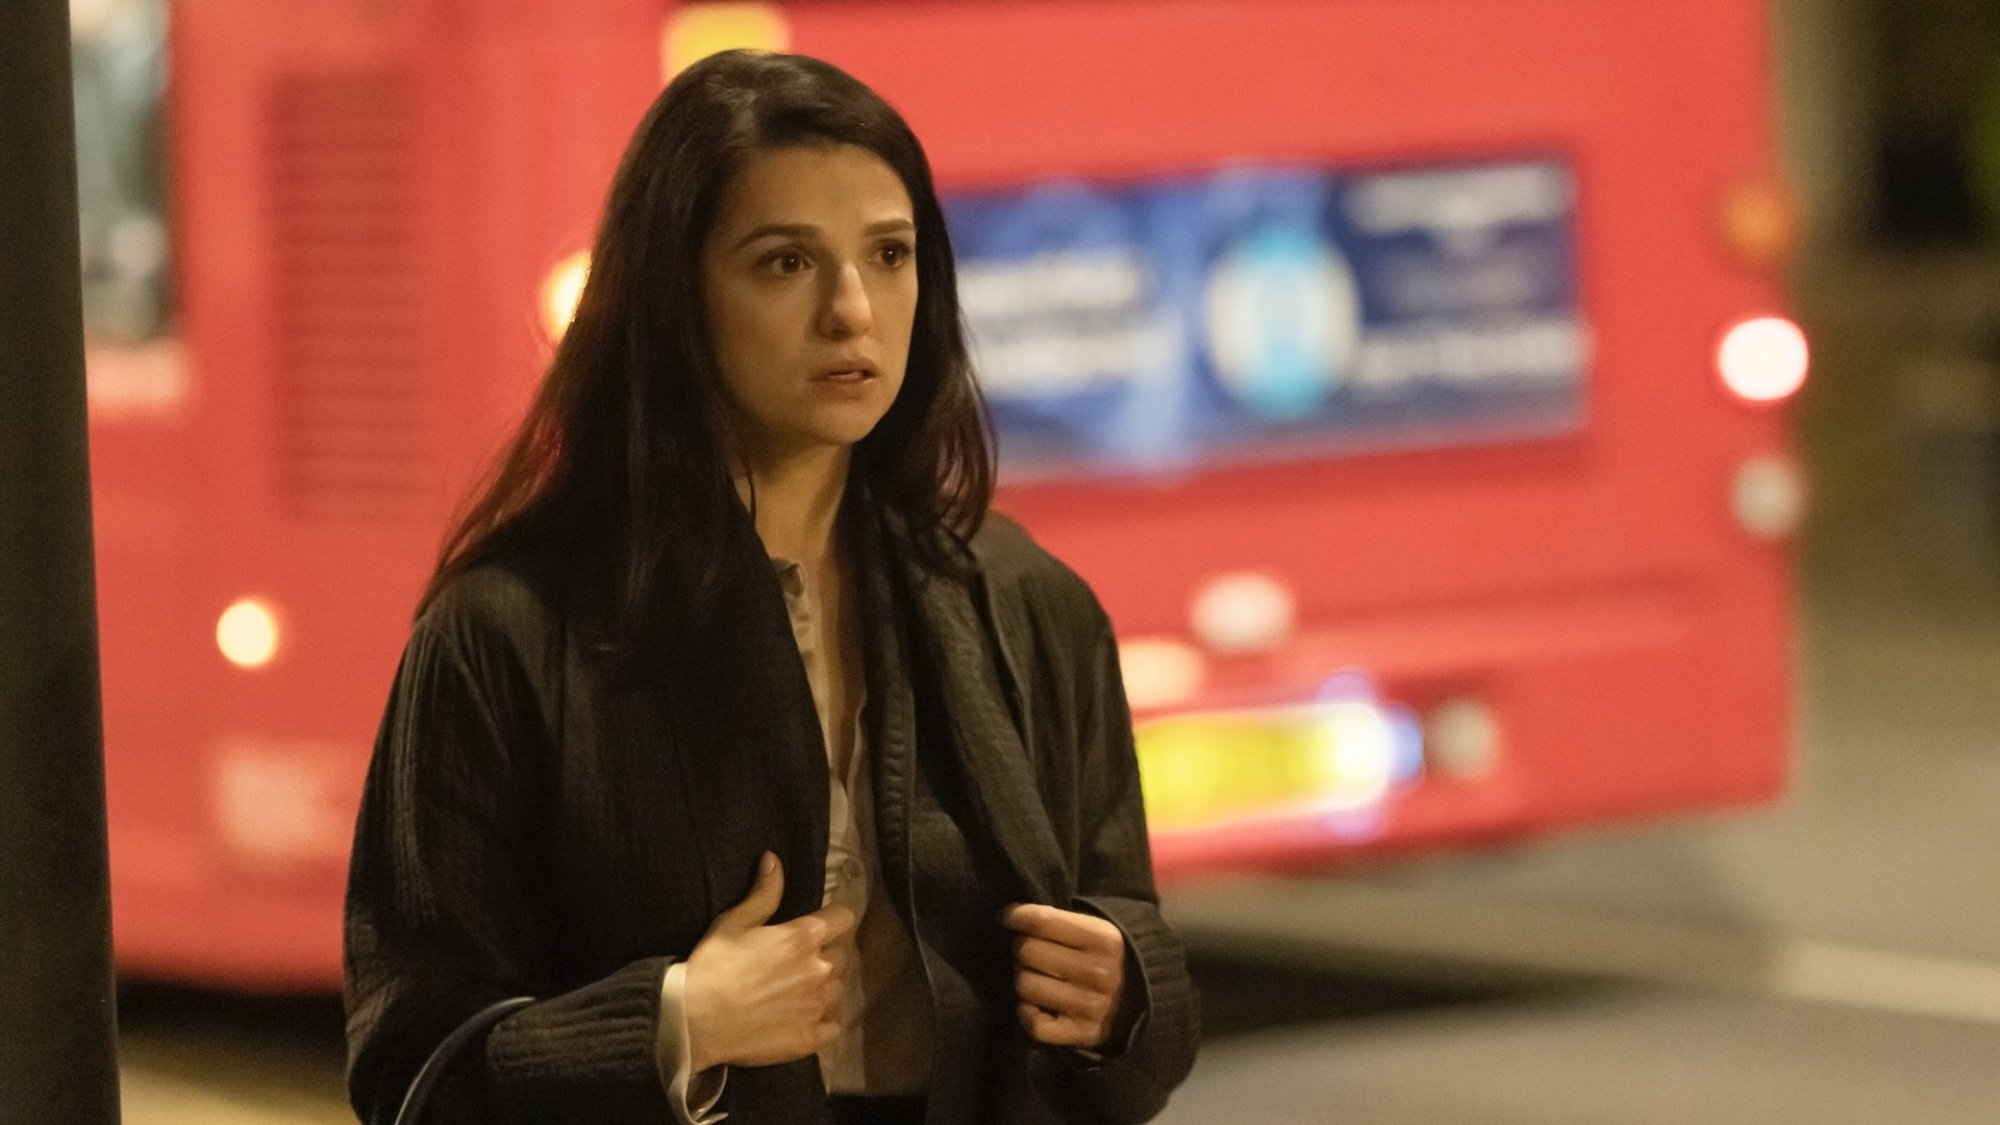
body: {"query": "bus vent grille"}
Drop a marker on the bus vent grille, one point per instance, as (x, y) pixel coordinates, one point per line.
(346, 278)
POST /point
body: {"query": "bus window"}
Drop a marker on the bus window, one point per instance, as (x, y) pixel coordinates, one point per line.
(118, 52)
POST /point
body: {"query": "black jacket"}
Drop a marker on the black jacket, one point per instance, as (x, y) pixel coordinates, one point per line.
(535, 823)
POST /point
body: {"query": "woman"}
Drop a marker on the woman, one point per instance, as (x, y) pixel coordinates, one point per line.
(792, 786)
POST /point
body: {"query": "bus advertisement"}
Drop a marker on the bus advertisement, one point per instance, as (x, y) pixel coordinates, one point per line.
(1407, 377)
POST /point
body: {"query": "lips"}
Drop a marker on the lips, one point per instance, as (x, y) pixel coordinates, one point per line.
(847, 371)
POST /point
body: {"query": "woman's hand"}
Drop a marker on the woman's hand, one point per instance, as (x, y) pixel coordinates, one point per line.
(756, 994)
(1069, 974)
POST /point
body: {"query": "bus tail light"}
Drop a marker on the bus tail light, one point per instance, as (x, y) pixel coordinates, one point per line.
(1768, 496)
(1462, 738)
(247, 633)
(1764, 360)
(1760, 222)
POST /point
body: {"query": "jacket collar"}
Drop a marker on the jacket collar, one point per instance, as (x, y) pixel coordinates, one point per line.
(733, 697)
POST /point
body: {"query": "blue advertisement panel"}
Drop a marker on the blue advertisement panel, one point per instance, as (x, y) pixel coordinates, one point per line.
(1253, 313)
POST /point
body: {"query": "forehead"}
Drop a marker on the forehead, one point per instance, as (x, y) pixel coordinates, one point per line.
(829, 186)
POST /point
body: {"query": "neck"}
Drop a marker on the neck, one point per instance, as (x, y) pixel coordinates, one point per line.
(795, 501)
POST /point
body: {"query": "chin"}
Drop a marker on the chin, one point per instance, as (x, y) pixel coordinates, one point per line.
(844, 427)
(832, 434)
(849, 436)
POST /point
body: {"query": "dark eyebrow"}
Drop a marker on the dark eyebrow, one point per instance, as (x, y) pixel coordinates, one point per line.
(780, 230)
(806, 231)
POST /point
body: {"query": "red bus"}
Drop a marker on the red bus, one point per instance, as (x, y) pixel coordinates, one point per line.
(1406, 376)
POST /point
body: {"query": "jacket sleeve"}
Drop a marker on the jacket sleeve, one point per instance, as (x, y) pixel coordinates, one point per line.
(447, 906)
(1115, 879)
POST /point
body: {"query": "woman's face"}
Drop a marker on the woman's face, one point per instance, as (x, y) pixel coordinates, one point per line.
(810, 283)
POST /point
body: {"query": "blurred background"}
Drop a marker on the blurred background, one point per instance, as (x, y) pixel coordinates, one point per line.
(1551, 710)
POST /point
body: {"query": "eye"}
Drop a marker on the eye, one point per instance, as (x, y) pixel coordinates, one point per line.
(788, 260)
(897, 253)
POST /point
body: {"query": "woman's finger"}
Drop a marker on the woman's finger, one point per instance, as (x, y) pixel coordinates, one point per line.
(835, 922)
(1055, 1030)
(1064, 927)
(1092, 971)
(1061, 997)
(835, 956)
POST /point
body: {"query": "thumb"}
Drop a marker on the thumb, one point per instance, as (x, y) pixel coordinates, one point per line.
(762, 901)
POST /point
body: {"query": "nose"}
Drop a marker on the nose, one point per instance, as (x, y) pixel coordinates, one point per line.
(847, 312)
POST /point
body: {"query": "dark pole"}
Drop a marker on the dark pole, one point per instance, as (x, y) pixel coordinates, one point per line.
(58, 1029)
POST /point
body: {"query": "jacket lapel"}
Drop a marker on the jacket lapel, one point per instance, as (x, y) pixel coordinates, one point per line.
(891, 721)
(952, 639)
(744, 727)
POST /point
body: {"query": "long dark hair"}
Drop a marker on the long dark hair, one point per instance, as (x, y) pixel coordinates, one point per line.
(624, 447)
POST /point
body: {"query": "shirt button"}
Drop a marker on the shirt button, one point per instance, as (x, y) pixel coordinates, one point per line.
(850, 870)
